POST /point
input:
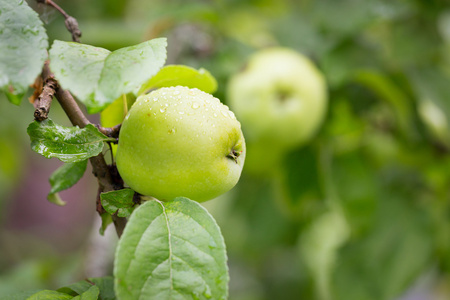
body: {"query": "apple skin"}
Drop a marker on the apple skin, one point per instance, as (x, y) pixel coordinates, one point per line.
(178, 141)
(281, 100)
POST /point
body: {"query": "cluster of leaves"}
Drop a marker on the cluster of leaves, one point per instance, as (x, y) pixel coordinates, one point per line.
(174, 246)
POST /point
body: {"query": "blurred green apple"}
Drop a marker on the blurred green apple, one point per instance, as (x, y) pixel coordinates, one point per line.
(178, 141)
(281, 100)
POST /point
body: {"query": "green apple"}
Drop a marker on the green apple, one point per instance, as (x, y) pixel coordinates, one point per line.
(178, 141)
(281, 100)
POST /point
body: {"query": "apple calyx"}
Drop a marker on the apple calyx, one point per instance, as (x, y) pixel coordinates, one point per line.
(234, 155)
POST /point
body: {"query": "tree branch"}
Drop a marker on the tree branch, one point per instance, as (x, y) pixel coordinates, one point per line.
(112, 132)
(107, 176)
(71, 22)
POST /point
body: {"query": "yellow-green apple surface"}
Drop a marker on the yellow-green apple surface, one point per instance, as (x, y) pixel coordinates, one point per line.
(281, 99)
(178, 141)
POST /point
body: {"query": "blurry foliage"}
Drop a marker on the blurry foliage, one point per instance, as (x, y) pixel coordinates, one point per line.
(363, 210)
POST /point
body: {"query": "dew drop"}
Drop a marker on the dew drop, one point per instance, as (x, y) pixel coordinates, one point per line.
(215, 115)
(167, 105)
(223, 113)
(146, 100)
(171, 131)
(155, 99)
(176, 93)
(231, 114)
(195, 105)
(181, 112)
(162, 110)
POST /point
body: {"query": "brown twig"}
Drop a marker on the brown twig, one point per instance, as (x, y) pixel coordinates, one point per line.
(43, 102)
(71, 22)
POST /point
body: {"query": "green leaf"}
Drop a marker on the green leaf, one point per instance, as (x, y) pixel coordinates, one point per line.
(114, 113)
(106, 287)
(120, 202)
(106, 220)
(174, 75)
(90, 294)
(75, 289)
(97, 76)
(23, 48)
(65, 177)
(171, 250)
(68, 144)
(91, 288)
(49, 295)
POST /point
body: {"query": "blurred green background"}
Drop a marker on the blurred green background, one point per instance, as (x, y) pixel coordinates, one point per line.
(362, 211)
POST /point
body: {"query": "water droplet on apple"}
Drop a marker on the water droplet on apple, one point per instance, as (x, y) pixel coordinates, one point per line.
(195, 105)
(176, 93)
(231, 114)
(171, 131)
(181, 112)
(155, 99)
(146, 100)
(223, 113)
(215, 115)
(162, 110)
